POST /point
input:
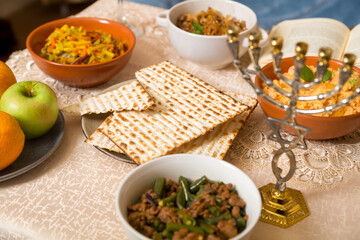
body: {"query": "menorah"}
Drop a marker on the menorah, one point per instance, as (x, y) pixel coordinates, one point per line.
(284, 206)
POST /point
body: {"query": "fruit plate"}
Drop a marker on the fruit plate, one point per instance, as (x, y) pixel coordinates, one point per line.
(90, 122)
(36, 151)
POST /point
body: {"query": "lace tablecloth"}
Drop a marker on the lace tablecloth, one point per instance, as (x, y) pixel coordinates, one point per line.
(72, 194)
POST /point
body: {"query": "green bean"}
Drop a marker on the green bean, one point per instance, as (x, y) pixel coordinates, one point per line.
(167, 234)
(159, 186)
(215, 220)
(161, 227)
(194, 187)
(192, 198)
(201, 189)
(158, 226)
(233, 190)
(240, 223)
(157, 236)
(187, 219)
(185, 186)
(218, 201)
(156, 223)
(206, 227)
(242, 212)
(169, 199)
(171, 227)
(180, 199)
(214, 211)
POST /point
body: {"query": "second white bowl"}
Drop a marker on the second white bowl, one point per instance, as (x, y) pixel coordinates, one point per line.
(208, 51)
(191, 167)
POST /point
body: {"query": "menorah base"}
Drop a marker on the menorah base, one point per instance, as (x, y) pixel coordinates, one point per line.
(282, 209)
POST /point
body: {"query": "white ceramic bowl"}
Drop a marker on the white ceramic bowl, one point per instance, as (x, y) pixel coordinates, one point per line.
(208, 51)
(191, 167)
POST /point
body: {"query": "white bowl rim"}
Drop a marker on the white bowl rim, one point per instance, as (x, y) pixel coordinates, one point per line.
(206, 36)
(192, 156)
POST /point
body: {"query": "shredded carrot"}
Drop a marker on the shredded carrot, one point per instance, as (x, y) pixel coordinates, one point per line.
(75, 45)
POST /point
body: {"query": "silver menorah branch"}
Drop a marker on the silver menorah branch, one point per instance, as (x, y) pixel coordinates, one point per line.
(284, 206)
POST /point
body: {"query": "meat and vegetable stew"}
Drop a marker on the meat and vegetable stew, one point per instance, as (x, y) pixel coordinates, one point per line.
(202, 209)
(211, 23)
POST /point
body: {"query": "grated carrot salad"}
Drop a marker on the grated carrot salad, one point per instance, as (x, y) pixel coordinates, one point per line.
(75, 45)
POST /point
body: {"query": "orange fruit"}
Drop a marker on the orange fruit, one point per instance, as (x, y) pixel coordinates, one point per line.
(7, 77)
(12, 139)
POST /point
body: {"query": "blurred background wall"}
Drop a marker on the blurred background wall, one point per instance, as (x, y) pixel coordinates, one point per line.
(19, 17)
(9, 7)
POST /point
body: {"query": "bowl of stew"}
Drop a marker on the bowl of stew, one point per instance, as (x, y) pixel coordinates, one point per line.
(81, 51)
(222, 200)
(197, 30)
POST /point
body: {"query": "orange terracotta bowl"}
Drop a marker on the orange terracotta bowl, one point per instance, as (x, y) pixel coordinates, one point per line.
(88, 75)
(322, 128)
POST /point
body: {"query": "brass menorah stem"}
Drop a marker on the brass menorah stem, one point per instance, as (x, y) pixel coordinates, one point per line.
(283, 206)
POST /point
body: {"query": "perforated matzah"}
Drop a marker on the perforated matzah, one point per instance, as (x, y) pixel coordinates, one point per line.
(184, 108)
(214, 143)
(217, 142)
(131, 96)
(99, 139)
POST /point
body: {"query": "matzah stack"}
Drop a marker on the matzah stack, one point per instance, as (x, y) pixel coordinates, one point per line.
(214, 143)
(217, 142)
(184, 108)
(131, 96)
(99, 139)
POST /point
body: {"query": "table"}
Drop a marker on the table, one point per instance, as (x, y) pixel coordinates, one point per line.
(72, 194)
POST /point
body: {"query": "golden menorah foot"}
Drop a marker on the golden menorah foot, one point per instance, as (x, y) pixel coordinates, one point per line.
(282, 209)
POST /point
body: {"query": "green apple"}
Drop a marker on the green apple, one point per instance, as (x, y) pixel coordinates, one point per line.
(33, 104)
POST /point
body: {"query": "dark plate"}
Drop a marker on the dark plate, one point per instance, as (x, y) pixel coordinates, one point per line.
(90, 122)
(36, 151)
